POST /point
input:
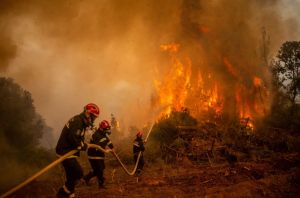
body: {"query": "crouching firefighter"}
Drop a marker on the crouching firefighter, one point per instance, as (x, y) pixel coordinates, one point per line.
(72, 138)
(96, 157)
(138, 146)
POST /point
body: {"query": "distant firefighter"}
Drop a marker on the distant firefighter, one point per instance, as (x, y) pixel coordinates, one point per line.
(113, 122)
(115, 128)
(96, 157)
(72, 138)
(138, 145)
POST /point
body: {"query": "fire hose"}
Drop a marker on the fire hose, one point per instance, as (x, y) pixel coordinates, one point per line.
(70, 153)
(138, 159)
(47, 168)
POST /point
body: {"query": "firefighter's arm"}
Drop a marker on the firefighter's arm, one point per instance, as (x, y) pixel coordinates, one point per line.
(76, 135)
(142, 148)
(110, 144)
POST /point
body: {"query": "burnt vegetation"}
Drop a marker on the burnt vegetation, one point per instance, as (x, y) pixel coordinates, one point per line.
(180, 134)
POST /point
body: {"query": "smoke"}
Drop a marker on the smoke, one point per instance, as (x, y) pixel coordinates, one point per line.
(70, 53)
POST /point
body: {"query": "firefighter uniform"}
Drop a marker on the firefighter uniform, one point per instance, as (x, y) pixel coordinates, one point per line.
(71, 138)
(138, 145)
(96, 157)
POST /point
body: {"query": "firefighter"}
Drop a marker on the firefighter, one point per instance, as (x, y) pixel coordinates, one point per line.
(138, 146)
(113, 121)
(96, 157)
(72, 138)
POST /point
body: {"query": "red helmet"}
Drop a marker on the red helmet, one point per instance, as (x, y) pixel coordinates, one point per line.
(92, 109)
(139, 134)
(104, 125)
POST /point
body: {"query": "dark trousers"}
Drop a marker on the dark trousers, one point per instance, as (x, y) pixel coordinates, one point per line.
(73, 173)
(98, 167)
(141, 162)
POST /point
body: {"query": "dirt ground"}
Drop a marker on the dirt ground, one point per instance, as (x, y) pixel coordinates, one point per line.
(184, 179)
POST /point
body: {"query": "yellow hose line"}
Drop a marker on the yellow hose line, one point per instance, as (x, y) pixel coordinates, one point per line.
(62, 158)
(150, 130)
(99, 148)
(11, 191)
(138, 159)
(123, 166)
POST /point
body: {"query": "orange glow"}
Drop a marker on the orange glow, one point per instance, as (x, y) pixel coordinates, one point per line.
(170, 47)
(230, 67)
(173, 88)
(257, 82)
(205, 29)
(243, 106)
(203, 92)
(176, 91)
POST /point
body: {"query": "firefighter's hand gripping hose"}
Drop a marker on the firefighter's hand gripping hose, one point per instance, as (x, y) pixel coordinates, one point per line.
(62, 158)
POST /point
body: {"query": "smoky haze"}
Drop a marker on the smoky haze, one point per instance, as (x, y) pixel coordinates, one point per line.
(70, 53)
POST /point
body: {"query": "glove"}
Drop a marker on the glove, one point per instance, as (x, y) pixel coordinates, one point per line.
(84, 147)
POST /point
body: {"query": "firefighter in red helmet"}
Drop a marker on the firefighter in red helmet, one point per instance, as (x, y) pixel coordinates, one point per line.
(138, 146)
(96, 157)
(72, 138)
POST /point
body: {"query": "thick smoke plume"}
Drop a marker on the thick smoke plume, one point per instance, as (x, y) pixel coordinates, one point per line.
(69, 53)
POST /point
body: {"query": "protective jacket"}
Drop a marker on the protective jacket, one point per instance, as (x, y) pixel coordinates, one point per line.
(100, 138)
(72, 136)
(138, 145)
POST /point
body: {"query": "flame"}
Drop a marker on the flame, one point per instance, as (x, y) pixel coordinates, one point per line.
(257, 82)
(173, 88)
(176, 90)
(261, 94)
(172, 48)
(230, 67)
(204, 92)
(242, 105)
(244, 102)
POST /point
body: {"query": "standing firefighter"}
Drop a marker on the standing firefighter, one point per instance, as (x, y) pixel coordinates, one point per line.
(96, 157)
(114, 123)
(138, 145)
(72, 138)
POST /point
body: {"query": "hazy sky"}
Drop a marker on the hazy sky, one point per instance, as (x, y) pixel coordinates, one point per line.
(69, 53)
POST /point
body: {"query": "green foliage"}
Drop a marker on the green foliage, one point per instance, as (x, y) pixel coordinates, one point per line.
(21, 125)
(238, 135)
(165, 131)
(286, 87)
(152, 152)
(20, 131)
(287, 68)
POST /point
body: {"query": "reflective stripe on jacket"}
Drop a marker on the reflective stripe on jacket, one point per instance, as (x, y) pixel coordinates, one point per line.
(101, 139)
(138, 145)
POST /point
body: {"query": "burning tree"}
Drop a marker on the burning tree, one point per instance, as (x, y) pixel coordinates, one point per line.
(205, 92)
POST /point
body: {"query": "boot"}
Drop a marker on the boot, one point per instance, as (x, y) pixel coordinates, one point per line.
(87, 178)
(138, 172)
(62, 193)
(101, 183)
